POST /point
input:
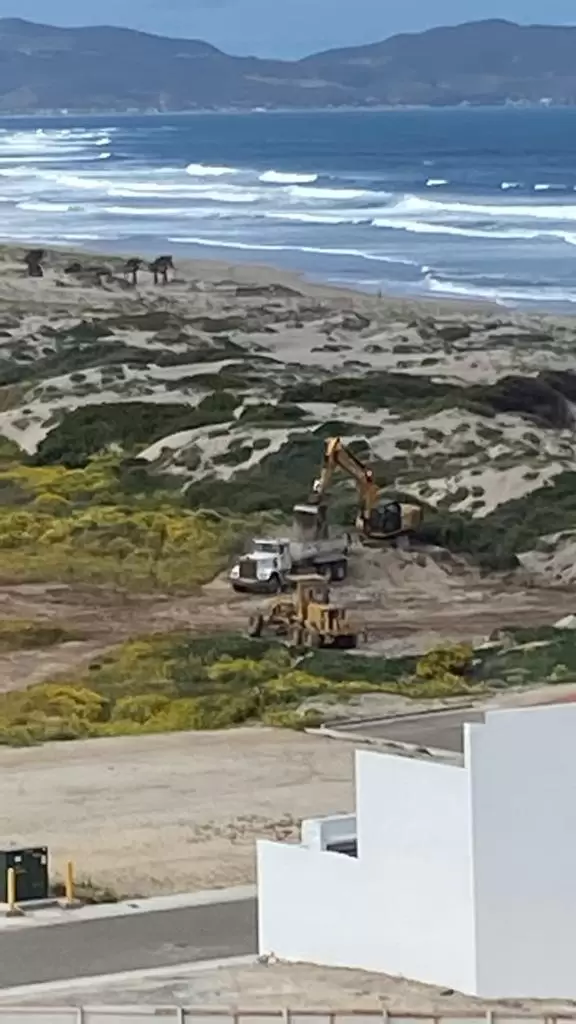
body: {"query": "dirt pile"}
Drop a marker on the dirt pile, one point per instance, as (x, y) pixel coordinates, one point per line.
(390, 575)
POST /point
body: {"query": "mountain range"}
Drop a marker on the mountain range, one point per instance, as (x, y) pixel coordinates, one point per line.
(45, 68)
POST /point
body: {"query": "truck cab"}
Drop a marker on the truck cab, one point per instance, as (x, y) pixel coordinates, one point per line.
(264, 567)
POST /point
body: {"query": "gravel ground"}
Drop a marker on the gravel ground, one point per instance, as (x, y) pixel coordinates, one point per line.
(274, 987)
(171, 813)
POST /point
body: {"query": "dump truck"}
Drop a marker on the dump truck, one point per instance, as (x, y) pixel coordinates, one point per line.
(307, 617)
(270, 561)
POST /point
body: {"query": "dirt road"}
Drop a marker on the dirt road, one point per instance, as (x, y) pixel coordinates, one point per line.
(407, 603)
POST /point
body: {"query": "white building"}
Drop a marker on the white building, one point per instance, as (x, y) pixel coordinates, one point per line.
(465, 876)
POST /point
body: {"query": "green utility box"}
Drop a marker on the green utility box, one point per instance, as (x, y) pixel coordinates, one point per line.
(31, 868)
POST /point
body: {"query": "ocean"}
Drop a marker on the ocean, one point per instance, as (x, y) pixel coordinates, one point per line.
(460, 203)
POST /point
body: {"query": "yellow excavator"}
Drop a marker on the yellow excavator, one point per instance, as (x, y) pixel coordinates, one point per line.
(379, 521)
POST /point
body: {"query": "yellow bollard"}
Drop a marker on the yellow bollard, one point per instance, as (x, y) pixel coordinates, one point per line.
(13, 909)
(69, 901)
(69, 882)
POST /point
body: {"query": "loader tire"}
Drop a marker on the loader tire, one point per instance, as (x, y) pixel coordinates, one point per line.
(338, 572)
(402, 542)
(312, 639)
(256, 625)
(347, 643)
(296, 638)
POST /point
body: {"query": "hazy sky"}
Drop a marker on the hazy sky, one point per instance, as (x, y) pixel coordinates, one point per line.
(285, 28)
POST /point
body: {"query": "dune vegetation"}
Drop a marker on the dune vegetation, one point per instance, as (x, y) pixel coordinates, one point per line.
(108, 522)
(174, 682)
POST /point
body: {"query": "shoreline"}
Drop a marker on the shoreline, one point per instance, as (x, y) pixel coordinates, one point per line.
(464, 105)
(122, 249)
(248, 272)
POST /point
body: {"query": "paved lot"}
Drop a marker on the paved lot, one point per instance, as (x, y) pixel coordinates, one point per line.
(130, 943)
(439, 729)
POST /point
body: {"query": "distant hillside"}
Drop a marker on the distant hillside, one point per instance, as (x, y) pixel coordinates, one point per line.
(46, 68)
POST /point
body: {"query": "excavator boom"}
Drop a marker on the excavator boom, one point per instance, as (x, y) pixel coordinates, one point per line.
(337, 456)
(378, 520)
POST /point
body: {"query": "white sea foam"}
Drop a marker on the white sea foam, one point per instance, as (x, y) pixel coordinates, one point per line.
(285, 178)
(338, 194)
(506, 185)
(205, 171)
(500, 295)
(436, 182)
(358, 217)
(551, 211)
(215, 243)
(38, 207)
(418, 227)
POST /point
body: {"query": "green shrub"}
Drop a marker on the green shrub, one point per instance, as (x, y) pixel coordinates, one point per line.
(234, 456)
(90, 429)
(139, 709)
(24, 634)
(272, 414)
(172, 682)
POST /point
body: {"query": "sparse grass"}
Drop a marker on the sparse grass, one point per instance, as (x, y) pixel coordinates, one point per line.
(26, 634)
(86, 892)
(530, 656)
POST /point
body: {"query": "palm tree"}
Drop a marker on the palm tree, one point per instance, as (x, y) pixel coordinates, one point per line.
(160, 267)
(131, 268)
(33, 260)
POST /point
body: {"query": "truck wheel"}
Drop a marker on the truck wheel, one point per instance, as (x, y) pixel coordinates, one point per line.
(275, 584)
(338, 572)
(256, 625)
(347, 643)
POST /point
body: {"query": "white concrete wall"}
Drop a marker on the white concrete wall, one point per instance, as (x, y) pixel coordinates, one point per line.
(523, 787)
(465, 877)
(320, 833)
(414, 837)
(405, 906)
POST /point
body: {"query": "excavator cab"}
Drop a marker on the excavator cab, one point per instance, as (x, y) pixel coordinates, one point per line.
(382, 521)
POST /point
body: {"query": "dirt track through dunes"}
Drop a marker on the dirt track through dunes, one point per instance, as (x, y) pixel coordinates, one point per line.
(171, 813)
(407, 601)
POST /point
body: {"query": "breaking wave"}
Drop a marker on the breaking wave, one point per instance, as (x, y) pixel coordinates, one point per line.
(204, 171)
(500, 294)
(281, 178)
(495, 211)
(315, 250)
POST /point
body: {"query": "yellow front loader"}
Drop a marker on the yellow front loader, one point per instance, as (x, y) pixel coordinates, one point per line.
(307, 617)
